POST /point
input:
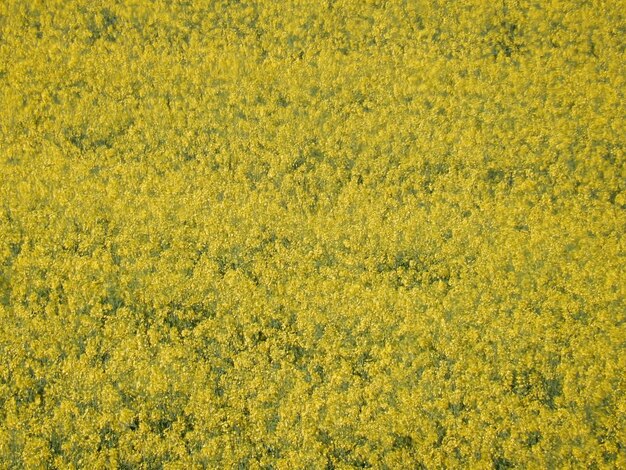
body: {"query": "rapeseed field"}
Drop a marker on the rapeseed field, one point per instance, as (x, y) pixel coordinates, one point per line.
(307, 234)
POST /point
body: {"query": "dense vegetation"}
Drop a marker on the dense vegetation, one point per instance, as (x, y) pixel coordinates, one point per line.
(312, 234)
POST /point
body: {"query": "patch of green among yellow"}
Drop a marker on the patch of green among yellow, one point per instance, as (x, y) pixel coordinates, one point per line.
(306, 234)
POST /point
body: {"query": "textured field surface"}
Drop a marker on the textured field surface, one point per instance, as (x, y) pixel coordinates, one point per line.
(312, 234)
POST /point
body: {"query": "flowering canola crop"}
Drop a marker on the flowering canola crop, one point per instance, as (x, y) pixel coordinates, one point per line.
(312, 234)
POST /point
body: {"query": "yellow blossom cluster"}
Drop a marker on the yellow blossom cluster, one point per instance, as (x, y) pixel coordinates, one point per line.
(312, 234)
